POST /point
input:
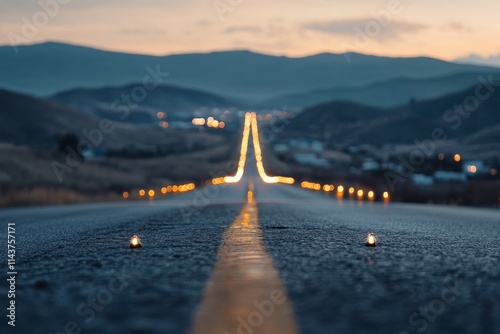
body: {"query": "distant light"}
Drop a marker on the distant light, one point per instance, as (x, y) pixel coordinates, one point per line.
(457, 157)
(250, 196)
(125, 194)
(151, 193)
(340, 189)
(351, 190)
(215, 124)
(385, 195)
(222, 125)
(164, 124)
(160, 115)
(371, 195)
(360, 193)
(493, 172)
(441, 156)
(142, 192)
(371, 241)
(164, 190)
(135, 242)
(472, 169)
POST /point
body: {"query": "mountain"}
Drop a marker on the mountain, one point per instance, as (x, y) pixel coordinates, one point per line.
(493, 60)
(173, 100)
(347, 122)
(48, 68)
(39, 123)
(390, 93)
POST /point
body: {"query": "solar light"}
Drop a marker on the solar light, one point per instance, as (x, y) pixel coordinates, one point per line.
(371, 241)
(135, 242)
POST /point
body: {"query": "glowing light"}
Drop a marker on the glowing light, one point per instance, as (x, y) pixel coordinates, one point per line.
(385, 195)
(160, 115)
(371, 195)
(125, 194)
(457, 157)
(164, 124)
(371, 240)
(340, 189)
(441, 156)
(135, 242)
(472, 169)
(351, 190)
(198, 121)
(215, 124)
(222, 125)
(360, 193)
(328, 187)
(142, 192)
(164, 190)
(493, 172)
(151, 193)
(250, 196)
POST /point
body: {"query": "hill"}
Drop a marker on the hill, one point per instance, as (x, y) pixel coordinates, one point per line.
(384, 94)
(346, 122)
(173, 100)
(48, 68)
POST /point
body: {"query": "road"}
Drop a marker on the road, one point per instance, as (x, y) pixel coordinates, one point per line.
(209, 257)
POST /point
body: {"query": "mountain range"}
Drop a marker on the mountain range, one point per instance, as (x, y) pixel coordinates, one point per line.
(268, 81)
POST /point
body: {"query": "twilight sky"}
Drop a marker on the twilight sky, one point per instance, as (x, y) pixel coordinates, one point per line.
(445, 29)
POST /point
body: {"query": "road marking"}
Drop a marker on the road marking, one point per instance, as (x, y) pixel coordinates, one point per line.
(245, 293)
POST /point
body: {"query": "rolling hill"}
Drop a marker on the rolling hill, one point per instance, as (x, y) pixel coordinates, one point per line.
(48, 68)
(173, 100)
(384, 94)
(347, 122)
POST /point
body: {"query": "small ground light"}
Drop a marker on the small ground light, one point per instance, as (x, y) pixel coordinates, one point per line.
(142, 192)
(371, 241)
(151, 193)
(125, 194)
(135, 242)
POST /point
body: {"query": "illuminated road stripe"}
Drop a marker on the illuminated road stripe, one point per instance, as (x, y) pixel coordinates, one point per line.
(245, 294)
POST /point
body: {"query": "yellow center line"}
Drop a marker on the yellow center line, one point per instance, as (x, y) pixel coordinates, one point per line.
(245, 294)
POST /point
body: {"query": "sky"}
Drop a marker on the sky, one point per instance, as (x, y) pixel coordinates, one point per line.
(445, 29)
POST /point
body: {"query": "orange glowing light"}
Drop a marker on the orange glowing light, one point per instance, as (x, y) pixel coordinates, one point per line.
(164, 124)
(371, 240)
(351, 190)
(385, 195)
(340, 189)
(160, 115)
(360, 193)
(457, 157)
(164, 190)
(222, 125)
(151, 193)
(135, 242)
(125, 194)
(472, 169)
(371, 195)
(142, 192)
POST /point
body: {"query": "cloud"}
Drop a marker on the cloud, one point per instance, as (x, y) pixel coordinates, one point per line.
(244, 29)
(457, 26)
(382, 31)
(142, 31)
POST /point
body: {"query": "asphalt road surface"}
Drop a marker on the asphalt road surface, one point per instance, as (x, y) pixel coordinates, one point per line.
(287, 260)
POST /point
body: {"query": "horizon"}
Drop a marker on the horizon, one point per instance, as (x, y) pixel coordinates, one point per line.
(399, 28)
(104, 49)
